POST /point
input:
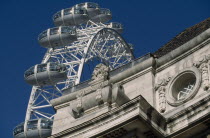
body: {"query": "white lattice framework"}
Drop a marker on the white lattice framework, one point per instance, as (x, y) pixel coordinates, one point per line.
(95, 41)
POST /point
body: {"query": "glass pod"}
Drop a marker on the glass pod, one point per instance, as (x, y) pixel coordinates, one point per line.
(37, 128)
(58, 36)
(70, 17)
(92, 9)
(45, 74)
(131, 46)
(104, 16)
(116, 26)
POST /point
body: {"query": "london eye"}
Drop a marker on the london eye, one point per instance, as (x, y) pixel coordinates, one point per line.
(82, 36)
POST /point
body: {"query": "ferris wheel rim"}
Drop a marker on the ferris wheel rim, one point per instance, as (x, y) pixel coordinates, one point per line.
(105, 29)
(112, 35)
(90, 44)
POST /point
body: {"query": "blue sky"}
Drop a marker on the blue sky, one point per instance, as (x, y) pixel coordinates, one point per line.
(148, 25)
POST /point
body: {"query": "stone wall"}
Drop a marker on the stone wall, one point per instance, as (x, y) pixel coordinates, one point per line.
(175, 85)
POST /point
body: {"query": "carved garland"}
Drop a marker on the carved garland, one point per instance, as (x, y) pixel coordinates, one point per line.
(79, 101)
(203, 65)
(161, 88)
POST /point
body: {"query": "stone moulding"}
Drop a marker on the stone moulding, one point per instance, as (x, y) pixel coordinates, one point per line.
(60, 102)
(166, 125)
(91, 100)
(192, 108)
(98, 94)
(137, 67)
(146, 112)
(187, 47)
(104, 96)
(188, 115)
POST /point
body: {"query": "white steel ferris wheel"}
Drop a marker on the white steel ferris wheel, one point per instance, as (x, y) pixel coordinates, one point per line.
(82, 36)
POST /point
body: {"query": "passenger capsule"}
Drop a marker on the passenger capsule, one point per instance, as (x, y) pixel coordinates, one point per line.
(45, 74)
(58, 36)
(116, 26)
(104, 16)
(70, 17)
(93, 9)
(130, 46)
(38, 128)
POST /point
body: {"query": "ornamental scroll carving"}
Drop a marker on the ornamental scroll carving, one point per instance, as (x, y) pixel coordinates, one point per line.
(203, 65)
(161, 89)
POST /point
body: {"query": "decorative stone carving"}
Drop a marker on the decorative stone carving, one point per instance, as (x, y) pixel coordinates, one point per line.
(162, 82)
(79, 101)
(100, 72)
(160, 87)
(162, 99)
(99, 80)
(99, 96)
(202, 64)
(201, 60)
(97, 93)
(205, 76)
(95, 86)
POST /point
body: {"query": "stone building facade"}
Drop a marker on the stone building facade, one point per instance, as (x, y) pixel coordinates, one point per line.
(163, 94)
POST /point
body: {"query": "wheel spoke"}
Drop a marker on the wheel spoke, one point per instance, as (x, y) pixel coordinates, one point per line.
(96, 43)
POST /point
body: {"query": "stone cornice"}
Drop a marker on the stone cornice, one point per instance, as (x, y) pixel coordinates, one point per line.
(136, 68)
(137, 103)
(72, 96)
(146, 112)
(196, 113)
(178, 112)
(150, 69)
(161, 64)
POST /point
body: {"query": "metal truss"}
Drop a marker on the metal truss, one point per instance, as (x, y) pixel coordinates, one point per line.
(95, 41)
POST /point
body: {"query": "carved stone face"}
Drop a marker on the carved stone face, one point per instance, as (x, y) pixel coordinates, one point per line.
(100, 72)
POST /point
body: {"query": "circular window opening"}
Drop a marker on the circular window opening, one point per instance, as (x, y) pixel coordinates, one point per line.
(183, 86)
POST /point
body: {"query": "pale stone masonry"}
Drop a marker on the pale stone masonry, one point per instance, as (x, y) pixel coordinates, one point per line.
(164, 94)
